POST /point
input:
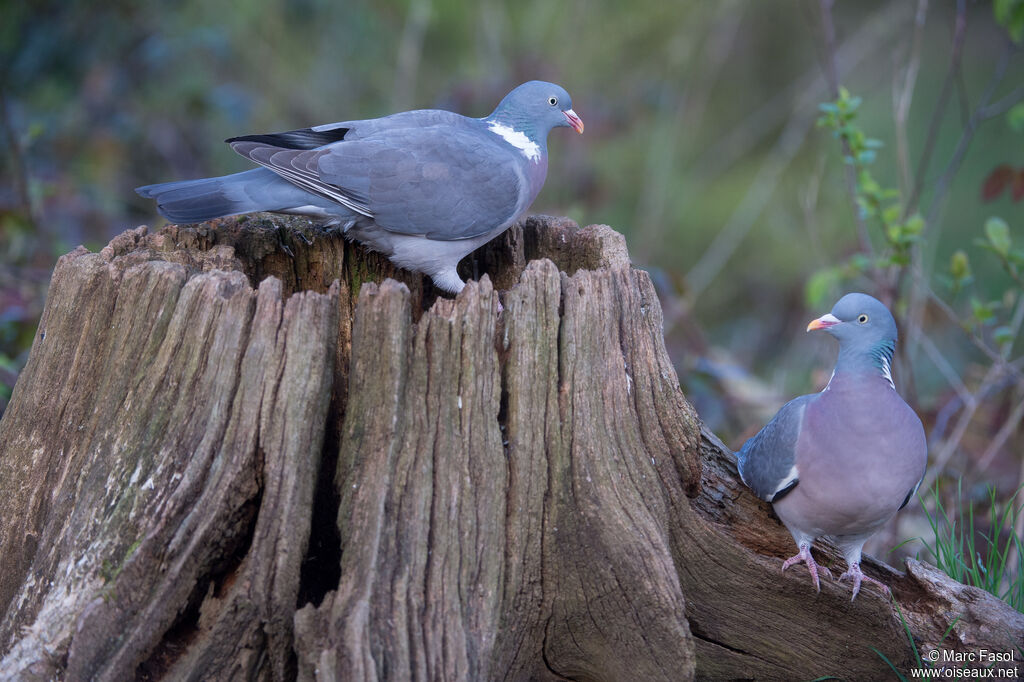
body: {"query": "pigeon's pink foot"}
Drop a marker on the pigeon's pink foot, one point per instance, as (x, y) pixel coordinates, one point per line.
(856, 575)
(805, 557)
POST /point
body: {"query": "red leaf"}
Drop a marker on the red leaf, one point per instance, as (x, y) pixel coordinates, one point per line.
(998, 180)
(1018, 186)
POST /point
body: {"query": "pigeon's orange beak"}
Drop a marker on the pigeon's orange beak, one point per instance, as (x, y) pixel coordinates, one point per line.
(575, 121)
(824, 322)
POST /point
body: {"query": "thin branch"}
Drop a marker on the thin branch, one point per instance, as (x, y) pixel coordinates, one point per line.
(742, 219)
(904, 94)
(959, 34)
(717, 158)
(1008, 428)
(1015, 324)
(942, 185)
(1003, 105)
(832, 77)
(808, 200)
(1013, 563)
(962, 96)
(998, 361)
(920, 291)
(853, 51)
(946, 369)
(949, 445)
(689, 106)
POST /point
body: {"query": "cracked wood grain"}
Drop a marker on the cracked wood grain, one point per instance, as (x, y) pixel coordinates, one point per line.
(250, 450)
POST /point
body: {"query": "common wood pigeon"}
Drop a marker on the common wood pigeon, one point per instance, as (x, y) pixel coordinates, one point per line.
(425, 187)
(842, 462)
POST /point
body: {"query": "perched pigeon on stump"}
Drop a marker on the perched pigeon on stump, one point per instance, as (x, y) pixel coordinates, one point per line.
(425, 188)
(842, 462)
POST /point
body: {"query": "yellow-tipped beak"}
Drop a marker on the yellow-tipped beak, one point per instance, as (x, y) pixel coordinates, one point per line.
(824, 322)
(575, 121)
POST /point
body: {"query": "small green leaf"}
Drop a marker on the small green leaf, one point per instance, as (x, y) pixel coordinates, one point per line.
(891, 213)
(914, 224)
(1015, 117)
(899, 258)
(982, 311)
(1001, 9)
(858, 264)
(867, 209)
(998, 234)
(960, 266)
(1002, 334)
(868, 184)
(1016, 24)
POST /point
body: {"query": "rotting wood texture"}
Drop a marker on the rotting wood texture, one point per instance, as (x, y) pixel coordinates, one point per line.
(216, 465)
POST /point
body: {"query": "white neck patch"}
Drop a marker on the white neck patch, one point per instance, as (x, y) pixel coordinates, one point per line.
(887, 372)
(517, 139)
(829, 381)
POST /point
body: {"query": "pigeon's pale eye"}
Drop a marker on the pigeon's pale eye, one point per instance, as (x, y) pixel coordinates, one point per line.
(553, 101)
(862, 318)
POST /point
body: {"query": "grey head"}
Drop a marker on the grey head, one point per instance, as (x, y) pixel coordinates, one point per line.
(534, 108)
(866, 332)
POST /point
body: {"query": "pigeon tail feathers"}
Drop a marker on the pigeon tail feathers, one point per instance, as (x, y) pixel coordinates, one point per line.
(196, 201)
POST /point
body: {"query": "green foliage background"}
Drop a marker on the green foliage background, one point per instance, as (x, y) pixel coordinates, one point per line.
(700, 146)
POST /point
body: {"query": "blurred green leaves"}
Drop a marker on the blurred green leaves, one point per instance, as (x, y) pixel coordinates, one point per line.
(902, 230)
(881, 204)
(959, 271)
(884, 206)
(692, 110)
(1015, 117)
(997, 237)
(998, 241)
(1010, 15)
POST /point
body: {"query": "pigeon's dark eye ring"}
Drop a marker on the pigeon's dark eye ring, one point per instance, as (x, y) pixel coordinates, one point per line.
(862, 318)
(553, 101)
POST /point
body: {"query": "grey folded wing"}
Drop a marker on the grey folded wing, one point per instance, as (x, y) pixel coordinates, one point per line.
(440, 182)
(329, 133)
(767, 462)
(420, 118)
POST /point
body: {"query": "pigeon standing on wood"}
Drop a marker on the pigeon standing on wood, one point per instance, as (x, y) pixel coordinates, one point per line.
(425, 188)
(842, 462)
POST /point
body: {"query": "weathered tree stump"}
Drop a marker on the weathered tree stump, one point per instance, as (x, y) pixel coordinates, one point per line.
(216, 465)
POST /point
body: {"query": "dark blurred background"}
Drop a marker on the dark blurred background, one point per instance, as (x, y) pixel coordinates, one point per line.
(701, 146)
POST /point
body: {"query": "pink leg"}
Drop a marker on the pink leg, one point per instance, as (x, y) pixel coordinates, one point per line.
(805, 557)
(856, 575)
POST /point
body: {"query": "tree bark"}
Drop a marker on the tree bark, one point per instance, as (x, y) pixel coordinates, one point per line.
(216, 465)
